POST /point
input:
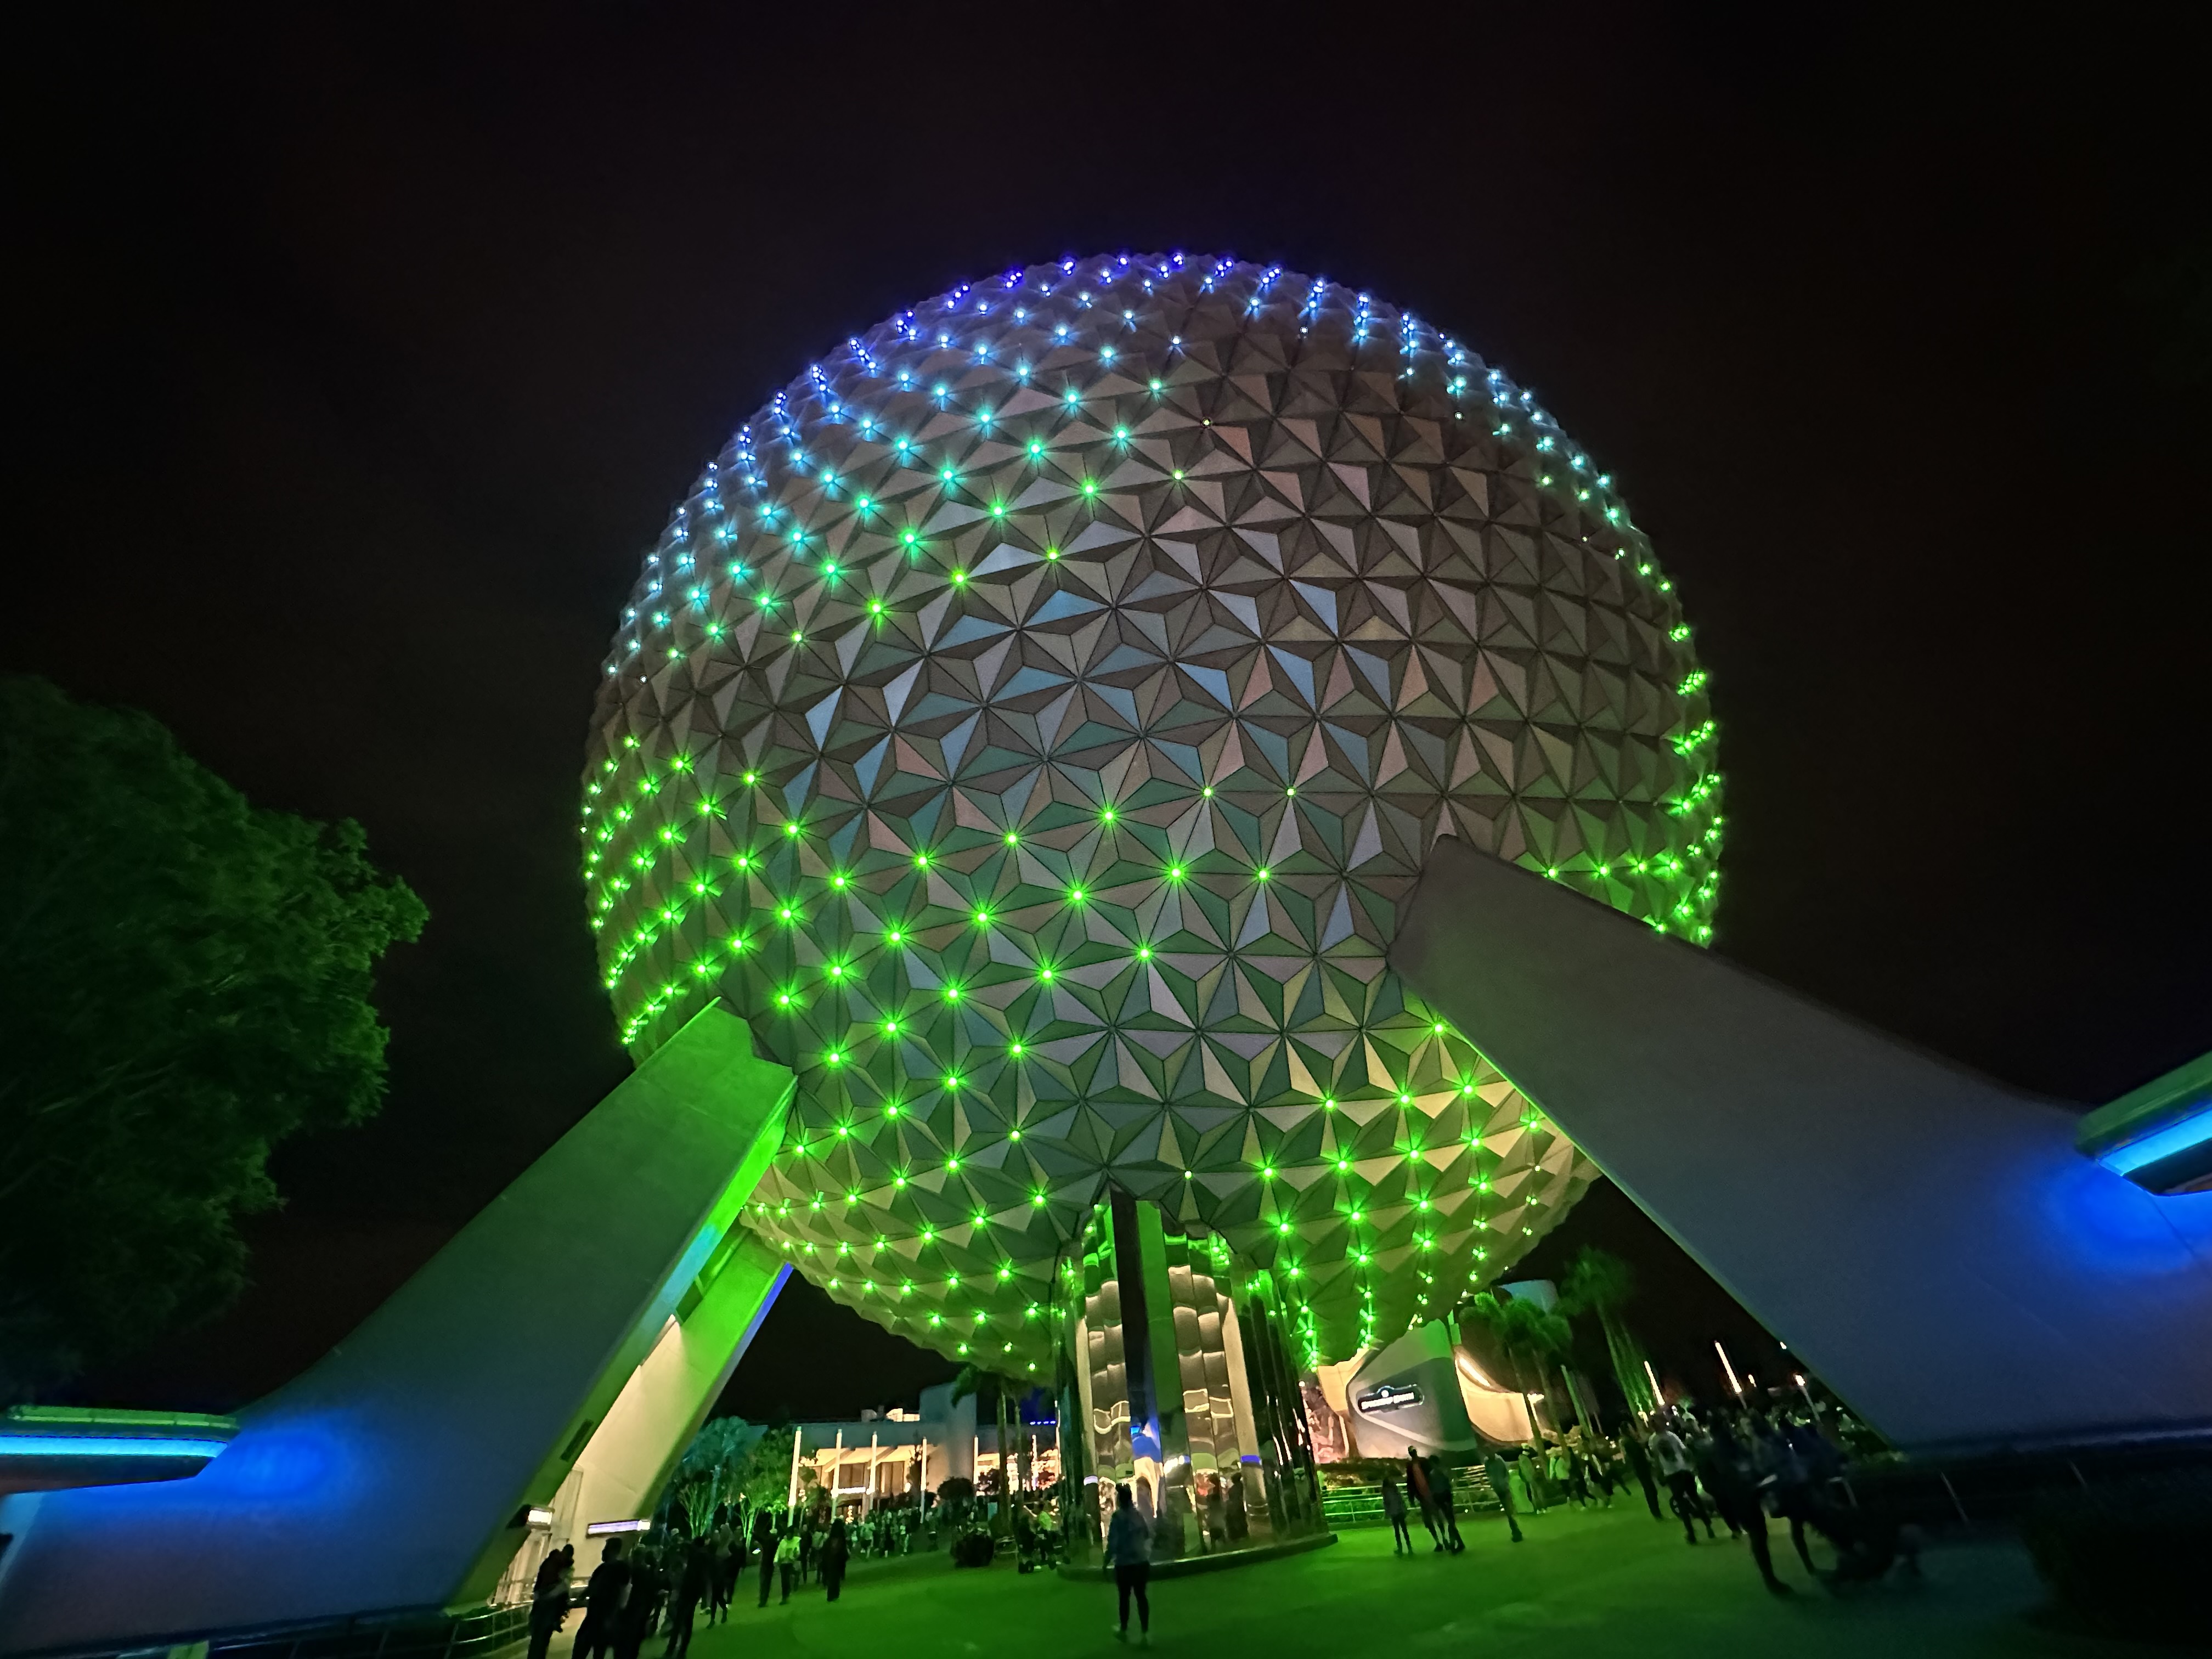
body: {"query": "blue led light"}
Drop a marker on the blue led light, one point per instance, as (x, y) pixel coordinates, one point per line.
(2190, 1132)
(105, 1446)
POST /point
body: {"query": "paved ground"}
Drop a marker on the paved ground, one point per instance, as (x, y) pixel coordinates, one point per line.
(1596, 1584)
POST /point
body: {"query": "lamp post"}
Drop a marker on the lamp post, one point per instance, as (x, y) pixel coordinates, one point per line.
(1729, 1369)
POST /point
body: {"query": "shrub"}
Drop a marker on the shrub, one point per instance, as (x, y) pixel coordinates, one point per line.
(2128, 1557)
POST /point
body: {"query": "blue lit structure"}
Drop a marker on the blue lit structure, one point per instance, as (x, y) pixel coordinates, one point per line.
(2158, 1136)
(1932, 1243)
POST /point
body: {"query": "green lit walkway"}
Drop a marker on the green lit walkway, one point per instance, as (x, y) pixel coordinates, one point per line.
(1602, 1584)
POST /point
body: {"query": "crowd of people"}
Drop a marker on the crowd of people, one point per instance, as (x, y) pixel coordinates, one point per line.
(658, 1586)
(1736, 1467)
(1706, 1467)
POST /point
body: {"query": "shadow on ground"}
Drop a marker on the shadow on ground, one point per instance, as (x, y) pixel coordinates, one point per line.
(1583, 1584)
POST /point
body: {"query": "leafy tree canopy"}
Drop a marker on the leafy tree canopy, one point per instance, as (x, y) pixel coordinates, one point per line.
(1598, 1282)
(185, 980)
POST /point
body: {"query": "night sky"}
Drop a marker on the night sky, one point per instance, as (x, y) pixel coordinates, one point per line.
(356, 365)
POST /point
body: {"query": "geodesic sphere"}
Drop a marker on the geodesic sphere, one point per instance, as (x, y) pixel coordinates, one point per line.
(1031, 724)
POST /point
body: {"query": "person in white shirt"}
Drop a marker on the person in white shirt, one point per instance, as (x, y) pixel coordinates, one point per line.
(1673, 1458)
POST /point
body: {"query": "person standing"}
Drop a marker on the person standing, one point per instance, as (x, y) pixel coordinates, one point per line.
(722, 1563)
(837, 1550)
(1447, 1503)
(1500, 1476)
(603, 1602)
(692, 1574)
(1418, 1488)
(549, 1598)
(1729, 1479)
(764, 1546)
(1532, 1477)
(1702, 1456)
(1567, 1465)
(1639, 1457)
(1129, 1555)
(640, 1610)
(1394, 1511)
(1673, 1458)
(786, 1563)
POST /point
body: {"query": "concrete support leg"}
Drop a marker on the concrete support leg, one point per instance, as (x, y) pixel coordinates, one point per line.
(593, 1306)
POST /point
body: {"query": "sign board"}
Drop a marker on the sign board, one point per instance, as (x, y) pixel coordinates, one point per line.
(1391, 1397)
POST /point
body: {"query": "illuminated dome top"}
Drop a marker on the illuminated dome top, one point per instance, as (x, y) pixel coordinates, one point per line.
(1031, 723)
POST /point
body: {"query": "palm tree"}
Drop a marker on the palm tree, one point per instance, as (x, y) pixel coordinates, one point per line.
(1600, 1282)
(971, 1379)
(1524, 1332)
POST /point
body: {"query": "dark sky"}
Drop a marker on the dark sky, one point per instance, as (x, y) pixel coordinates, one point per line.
(356, 363)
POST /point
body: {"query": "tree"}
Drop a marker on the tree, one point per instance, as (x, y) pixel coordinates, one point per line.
(1525, 1332)
(184, 982)
(714, 1466)
(1600, 1282)
(971, 1379)
(765, 1482)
